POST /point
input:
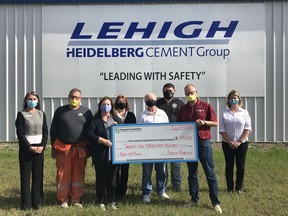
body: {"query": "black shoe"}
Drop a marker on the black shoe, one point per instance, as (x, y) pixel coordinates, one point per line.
(229, 192)
(177, 188)
(36, 207)
(190, 203)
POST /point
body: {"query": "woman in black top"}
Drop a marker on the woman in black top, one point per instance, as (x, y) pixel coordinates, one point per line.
(121, 107)
(32, 132)
(98, 134)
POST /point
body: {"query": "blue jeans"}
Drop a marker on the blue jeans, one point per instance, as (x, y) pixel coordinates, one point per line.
(176, 177)
(160, 169)
(206, 159)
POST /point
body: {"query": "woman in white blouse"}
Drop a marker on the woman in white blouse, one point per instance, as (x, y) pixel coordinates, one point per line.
(235, 127)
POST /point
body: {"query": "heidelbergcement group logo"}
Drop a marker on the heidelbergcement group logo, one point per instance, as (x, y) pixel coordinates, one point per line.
(138, 40)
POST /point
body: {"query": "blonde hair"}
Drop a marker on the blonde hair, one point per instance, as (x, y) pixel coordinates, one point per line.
(233, 93)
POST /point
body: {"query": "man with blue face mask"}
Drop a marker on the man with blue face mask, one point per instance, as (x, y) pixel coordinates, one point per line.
(204, 115)
(153, 115)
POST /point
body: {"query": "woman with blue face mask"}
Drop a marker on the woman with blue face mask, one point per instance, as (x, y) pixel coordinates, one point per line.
(235, 127)
(99, 137)
(32, 133)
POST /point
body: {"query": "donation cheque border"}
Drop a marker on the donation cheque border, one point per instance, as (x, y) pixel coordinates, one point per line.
(157, 142)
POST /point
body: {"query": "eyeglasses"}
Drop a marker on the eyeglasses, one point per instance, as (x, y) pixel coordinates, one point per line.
(74, 97)
(190, 93)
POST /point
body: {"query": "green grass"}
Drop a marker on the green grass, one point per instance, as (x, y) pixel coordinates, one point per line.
(265, 193)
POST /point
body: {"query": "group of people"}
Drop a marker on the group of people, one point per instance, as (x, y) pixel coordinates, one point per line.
(76, 135)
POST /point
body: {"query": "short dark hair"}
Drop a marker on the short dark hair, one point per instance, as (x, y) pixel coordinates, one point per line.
(168, 85)
(74, 90)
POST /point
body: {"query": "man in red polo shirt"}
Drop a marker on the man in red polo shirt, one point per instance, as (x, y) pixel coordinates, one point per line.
(204, 115)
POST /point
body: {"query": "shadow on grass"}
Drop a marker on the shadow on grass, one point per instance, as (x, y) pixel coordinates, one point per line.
(133, 197)
(12, 201)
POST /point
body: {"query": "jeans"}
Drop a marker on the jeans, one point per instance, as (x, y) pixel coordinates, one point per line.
(176, 176)
(160, 169)
(206, 158)
(230, 155)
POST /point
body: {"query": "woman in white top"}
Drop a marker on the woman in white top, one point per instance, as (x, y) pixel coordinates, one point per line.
(235, 127)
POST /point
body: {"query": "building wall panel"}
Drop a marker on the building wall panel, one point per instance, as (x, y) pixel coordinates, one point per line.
(21, 70)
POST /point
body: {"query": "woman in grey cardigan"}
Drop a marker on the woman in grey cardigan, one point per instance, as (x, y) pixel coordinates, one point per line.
(32, 132)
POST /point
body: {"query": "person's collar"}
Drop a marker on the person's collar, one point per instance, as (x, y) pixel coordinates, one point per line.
(153, 111)
(168, 101)
(74, 108)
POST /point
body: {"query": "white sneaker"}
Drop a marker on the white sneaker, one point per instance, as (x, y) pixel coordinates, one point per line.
(113, 206)
(163, 196)
(102, 206)
(218, 209)
(64, 205)
(77, 204)
(146, 199)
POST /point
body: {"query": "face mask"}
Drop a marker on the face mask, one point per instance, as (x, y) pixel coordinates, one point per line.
(191, 98)
(32, 103)
(122, 105)
(234, 101)
(150, 103)
(168, 95)
(105, 108)
(74, 102)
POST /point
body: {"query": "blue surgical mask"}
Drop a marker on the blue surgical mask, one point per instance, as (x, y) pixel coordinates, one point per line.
(32, 103)
(105, 107)
(234, 101)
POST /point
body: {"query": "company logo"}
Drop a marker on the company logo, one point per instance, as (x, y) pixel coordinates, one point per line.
(153, 33)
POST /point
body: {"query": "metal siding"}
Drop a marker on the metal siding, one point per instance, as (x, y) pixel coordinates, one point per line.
(21, 70)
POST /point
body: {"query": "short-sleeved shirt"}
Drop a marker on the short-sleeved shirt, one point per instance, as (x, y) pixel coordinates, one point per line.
(234, 123)
(170, 108)
(201, 110)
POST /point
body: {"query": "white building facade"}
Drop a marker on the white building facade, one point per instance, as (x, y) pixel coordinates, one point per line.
(256, 62)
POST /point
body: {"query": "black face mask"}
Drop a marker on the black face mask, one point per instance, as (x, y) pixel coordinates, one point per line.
(122, 105)
(168, 95)
(150, 103)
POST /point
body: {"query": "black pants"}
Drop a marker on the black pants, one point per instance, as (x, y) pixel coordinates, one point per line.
(122, 180)
(105, 182)
(230, 155)
(31, 164)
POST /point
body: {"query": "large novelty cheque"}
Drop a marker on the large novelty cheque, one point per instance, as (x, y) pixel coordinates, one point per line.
(159, 142)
